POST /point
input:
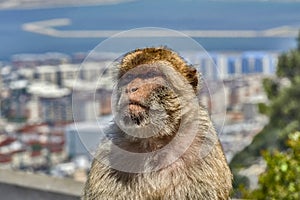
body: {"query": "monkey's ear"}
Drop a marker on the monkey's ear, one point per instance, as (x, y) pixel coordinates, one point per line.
(194, 78)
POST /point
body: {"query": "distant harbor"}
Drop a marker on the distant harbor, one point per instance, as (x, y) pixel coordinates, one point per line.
(48, 27)
(216, 25)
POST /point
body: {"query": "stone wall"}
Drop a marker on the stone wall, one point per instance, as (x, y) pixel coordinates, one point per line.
(20, 185)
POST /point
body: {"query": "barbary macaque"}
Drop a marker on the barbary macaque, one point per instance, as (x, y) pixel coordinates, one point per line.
(162, 144)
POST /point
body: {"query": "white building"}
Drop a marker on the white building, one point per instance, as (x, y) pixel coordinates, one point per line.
(49, 103)
(83, 138)
(218, 65)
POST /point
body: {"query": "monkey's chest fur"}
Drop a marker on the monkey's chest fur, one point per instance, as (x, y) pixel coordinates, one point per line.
(186, 178)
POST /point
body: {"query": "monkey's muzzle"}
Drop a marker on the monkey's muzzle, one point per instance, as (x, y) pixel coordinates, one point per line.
(136, 109)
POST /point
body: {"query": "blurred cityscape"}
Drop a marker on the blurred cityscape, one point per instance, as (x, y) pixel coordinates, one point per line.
(41, 95)
(55, 91)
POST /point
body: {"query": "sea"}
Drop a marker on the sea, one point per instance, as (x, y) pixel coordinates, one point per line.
(171, 14)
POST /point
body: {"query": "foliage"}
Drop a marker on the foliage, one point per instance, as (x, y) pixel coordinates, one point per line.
(298, 41)
(266, 140)
(284, 113)
(271, 87)
(289, 65)
(285, 108)
(282, 177)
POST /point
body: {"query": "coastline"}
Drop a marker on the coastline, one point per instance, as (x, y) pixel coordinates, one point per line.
(72, 29)
(48, 28)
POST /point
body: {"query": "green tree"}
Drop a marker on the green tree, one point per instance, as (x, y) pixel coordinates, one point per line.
(283, 111)
(298, 41)
(289, 65)
(282, 177)
(271, 87)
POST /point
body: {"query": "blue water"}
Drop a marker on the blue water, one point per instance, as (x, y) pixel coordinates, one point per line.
(173, 14)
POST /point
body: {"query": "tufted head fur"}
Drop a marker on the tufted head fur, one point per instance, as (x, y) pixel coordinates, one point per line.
(155, 54)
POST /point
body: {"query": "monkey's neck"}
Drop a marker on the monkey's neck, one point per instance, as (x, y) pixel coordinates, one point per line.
(141, 145)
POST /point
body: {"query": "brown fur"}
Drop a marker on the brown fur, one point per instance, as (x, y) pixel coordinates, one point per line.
(192, 166)
(152, 55)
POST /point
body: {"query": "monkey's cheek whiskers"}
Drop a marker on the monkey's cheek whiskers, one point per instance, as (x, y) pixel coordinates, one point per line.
(127, 120)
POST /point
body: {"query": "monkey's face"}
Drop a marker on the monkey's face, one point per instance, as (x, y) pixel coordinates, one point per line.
(142, 99)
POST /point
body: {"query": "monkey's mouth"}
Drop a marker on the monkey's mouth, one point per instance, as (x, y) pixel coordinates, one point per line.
(136, 113)
(136, 107)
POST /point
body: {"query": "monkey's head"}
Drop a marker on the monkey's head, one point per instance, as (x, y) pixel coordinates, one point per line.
(154, 86)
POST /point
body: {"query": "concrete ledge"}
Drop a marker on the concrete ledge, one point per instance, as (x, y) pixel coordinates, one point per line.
(21, 185)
